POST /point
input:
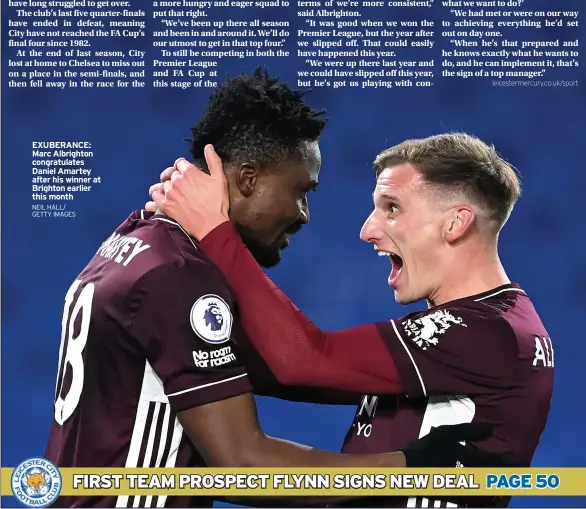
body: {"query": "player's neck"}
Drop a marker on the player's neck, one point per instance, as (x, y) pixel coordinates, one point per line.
(471, 275)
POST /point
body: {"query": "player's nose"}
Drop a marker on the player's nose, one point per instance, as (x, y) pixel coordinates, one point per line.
(304, 212)
(369, 232)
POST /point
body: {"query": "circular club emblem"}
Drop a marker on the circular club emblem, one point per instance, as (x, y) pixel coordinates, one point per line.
(211, 319)
(36, 482)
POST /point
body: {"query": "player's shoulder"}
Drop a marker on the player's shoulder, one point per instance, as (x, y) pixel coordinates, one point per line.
(176, 254)
(497, 301)
(494, 305)
(508, 304)
(166, 236)
(482, 315)
(150, 249)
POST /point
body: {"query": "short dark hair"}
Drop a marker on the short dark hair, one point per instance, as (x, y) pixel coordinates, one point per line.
(254, 116)
(460, 163)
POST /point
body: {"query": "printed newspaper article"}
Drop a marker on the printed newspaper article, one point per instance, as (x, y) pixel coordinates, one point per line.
(160, 158)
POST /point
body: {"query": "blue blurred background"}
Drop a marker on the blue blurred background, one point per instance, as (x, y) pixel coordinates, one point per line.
(327, 271)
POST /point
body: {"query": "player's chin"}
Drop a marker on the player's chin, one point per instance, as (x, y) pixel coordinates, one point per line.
(404, 296)
(268, 256)
(401, 298)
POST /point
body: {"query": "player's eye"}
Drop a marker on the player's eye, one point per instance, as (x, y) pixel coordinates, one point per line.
(393, 208)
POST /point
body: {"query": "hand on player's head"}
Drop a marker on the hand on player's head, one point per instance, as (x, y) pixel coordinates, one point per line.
(151, 206)
(199, 202)
(167, 173)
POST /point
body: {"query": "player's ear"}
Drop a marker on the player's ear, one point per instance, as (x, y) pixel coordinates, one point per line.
(459, 222)
(247, 177)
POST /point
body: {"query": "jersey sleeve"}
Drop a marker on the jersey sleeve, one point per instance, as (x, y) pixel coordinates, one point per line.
(298, 352)
(452, 351)
(184, 324)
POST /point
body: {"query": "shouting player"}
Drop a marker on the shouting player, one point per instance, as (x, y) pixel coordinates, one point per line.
(150, 373)
(479, 352)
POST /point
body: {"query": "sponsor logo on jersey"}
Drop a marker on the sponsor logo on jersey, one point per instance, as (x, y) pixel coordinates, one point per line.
(211, 319)
(426, 330)
(36, 482)
(365, 416)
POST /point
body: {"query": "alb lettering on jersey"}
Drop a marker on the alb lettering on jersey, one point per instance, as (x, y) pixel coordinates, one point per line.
(122, 249)
(543, 352)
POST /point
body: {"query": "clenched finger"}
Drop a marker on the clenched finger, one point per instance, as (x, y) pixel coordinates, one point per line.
(158, 198)
(166, 173)
(155, 187)
(150, 206)
(182, 165)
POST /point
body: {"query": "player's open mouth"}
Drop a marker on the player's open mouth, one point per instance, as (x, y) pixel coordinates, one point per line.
(396, 262)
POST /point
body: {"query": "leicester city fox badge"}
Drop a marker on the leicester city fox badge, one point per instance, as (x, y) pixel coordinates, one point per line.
(36, 482)
(211, 319)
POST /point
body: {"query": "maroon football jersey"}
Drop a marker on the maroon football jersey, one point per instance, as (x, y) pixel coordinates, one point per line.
(486, 358)
(147, 332)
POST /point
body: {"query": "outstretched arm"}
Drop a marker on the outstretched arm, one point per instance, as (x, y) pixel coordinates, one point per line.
(224, 441)
(265, 383)
(298, 352)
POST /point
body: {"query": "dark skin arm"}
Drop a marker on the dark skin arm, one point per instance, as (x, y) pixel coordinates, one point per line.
(227, 434)
(226, 441)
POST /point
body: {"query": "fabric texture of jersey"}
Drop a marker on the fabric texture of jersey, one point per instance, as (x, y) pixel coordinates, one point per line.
(148, 331)
(485, 358)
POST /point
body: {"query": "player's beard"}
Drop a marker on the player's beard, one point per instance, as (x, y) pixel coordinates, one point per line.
(266, 256)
